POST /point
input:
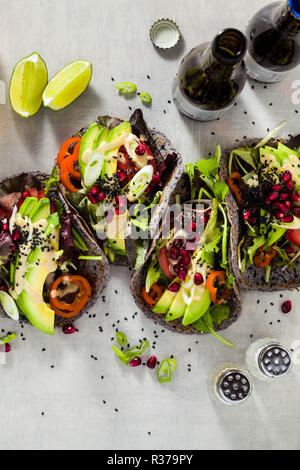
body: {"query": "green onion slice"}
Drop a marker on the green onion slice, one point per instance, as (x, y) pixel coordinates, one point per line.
(145, 98)
(93, 169)
(140, 183)
(8, 338)
(126, 87)
(9, 305)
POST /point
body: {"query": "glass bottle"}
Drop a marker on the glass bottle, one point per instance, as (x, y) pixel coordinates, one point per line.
(267, 359)
(211, 76)
(274, 41)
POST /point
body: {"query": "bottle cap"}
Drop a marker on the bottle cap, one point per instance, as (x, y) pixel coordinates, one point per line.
(164, 33)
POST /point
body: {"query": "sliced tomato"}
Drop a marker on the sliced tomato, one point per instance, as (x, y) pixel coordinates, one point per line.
(33, 192)
(164, 262)
(293, 236)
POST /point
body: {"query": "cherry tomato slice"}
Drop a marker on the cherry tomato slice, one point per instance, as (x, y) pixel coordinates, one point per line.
(294, 236)
(164, 262)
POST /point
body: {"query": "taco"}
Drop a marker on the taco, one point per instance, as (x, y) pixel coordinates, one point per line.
(118, 176)
(186, 284)
(51, 269)
(264, 211)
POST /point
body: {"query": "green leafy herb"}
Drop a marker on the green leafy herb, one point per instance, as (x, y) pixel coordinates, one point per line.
(132, 353)
(153, 274)
(121, 338)
(205, 324)
(8, 338)
(52, 181)
(126, 87)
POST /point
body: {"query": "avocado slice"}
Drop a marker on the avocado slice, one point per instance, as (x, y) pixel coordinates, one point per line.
(118, 244)
(39, 315)
(178, 307)
(164, 302)
(197, 308)
(110, 165)
(27, 206)
(87, 143)
(40, 211)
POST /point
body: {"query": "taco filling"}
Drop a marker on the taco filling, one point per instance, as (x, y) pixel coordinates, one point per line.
(265, 182)
(112, 178)
(40, 256)
(187, 277)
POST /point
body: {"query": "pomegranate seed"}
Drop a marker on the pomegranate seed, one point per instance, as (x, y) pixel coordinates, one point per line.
(268, 201)
(183, 252)
(120, 210)
(296, 211)
(155, 179)
(286, 306)
(198, 279)
(13, 247)
(7, 348)
(3, 288)
(69, 329)
(193, 226)
(246, 214)
(25, 194)
(276, 187)
(283, 196)
(177, 268)
(151, 363)
(288, 204)
(5, 226)
(279, 215)
(121, 174)
(174, 253)
(95, 191)
(286, 177)
(174, 287)
(16, 235)
(288, 219)
(101, 196)
(281, 207)
(295, 197)
(92, 198)
(136, 361)
(289, 249)
(252, 220)
(290, 185)
(185, 261)
(140, 150)
(182, 274)
(273, 196)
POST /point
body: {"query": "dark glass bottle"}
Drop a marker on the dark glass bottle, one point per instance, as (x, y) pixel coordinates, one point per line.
(211, 76)
(274, 41)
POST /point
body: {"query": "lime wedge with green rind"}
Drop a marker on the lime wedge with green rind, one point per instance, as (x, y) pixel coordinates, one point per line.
(67, 85)
(28, 81)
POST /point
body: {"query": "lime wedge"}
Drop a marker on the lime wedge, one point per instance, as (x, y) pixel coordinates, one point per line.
(28, 81)
(67, 85)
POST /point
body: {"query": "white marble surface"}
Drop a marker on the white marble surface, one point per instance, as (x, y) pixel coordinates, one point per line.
(114, 36)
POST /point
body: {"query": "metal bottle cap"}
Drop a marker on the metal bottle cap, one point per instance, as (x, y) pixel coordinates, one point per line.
(275, 361)
(234, 386)
(165, 33)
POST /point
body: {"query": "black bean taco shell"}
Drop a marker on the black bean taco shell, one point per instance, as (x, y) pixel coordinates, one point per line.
(96, 272)
(254, 277)
(139, 277)
(163, 151)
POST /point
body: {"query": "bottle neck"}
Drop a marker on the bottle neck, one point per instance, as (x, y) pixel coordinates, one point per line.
(287, 20)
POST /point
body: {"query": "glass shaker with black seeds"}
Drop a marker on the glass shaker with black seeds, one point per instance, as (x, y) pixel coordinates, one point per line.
(267, 359)
(211, 76)
(230, 384)
(274, 41)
